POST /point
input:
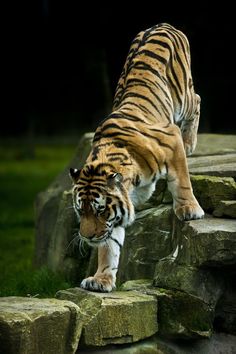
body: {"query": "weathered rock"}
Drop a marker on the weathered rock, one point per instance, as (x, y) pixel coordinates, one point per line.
(217, 165)
(226, 208)
(119, 317)
(45, 326)
(56, 223)
(210, 190)
(215, 144)
(147, 241)
(225, 316)
(191, 280)
(180, 315)
(190, 257)
(63, 256)
(215, 155)
(219, 343)
(138, 257)
(209, 242)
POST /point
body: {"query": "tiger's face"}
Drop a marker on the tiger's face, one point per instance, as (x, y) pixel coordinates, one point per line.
(98, 202)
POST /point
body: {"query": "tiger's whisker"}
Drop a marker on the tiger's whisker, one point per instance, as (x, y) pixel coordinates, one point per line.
(74, 240)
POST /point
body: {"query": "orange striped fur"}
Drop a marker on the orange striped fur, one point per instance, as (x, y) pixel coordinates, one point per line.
(152, 127)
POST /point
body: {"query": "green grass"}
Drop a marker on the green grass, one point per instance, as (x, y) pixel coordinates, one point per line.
(21, 178)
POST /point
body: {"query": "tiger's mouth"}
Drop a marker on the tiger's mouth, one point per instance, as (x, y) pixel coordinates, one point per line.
(96, 241)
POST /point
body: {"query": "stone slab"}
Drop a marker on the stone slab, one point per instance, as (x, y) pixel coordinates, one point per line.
(114, 318)
(207, 242)
(216, 165)
(180, 315)
(215, 144)
(45, 326)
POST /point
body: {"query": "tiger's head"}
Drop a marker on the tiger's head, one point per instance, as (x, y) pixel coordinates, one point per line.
(101, 202)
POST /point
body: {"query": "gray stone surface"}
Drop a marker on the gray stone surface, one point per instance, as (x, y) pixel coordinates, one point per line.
(210, 190)
(219, 343)
(191, 280)
(114, 318)
(217, 165)
(147, 241)
(215, 144)
(209, 242)
(188, 258)
(39, 326)
(225, 208)
(56, 225)
(180, 315)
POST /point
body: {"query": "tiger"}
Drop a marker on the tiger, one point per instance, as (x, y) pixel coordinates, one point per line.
(151, 129)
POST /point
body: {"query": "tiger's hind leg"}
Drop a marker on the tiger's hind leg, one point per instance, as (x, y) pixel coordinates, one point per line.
(185, 204)
(189, 128)
(104, 279)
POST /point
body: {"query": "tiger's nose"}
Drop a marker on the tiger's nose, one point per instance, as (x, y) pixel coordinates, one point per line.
(91, 227)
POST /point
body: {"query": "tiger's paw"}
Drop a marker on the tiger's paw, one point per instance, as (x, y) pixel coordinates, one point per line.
(100, 283)
(189, 212)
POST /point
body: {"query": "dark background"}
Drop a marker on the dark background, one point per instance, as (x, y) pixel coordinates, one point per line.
(62, 62)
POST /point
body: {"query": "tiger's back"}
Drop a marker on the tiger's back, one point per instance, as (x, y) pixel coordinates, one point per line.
(157, 74)
(152, 127)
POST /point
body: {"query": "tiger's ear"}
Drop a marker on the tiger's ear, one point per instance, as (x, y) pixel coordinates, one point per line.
(114, 179)
(74, 174)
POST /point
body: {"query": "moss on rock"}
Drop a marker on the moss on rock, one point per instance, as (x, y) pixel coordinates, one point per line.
(180, 315)
(115, 318)
(210, 190)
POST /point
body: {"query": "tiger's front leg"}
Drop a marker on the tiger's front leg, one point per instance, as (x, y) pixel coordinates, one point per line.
(104, 280)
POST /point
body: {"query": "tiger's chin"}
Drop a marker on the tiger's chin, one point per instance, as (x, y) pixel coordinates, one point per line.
(101, 283)
(96, 241)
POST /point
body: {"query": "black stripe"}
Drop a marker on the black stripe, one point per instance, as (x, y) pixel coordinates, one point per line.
(176, 91)
(114, 209)
(83, 179)
(160, 43)
(166, 166)
(142, 157)
(105, 268)
(139, 65)
(114, 135)
(112, 154)
(95, 153)
(163, 90)
(153, 55)
(116, 241)
(121, 207)
(126, 164)
(140, 106)
(102, 165)
(161, 131)
(163, 106)
(175, 76)
(138, 95)
(157, 162)
(154, 177)
(117, 158)
(137, 180)
(130, 117)
(150, 136)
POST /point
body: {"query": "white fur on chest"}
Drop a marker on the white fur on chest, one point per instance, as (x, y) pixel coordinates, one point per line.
(143, 192)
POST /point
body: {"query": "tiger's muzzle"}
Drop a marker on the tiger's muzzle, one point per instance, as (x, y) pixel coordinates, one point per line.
(92, 229)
